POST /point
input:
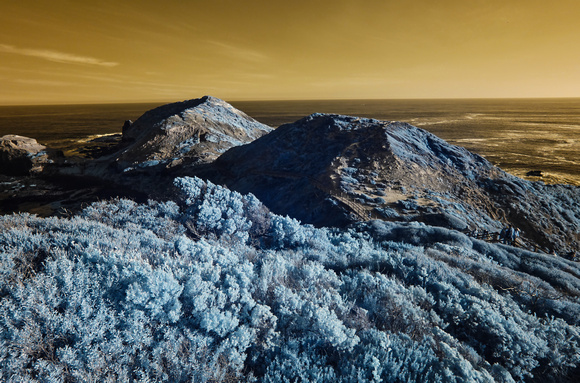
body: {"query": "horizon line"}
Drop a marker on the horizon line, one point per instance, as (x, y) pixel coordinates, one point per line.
(163, 102)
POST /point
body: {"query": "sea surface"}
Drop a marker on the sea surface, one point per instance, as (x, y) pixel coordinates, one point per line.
(518, 135)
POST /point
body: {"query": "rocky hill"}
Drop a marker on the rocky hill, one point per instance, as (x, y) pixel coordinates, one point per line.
(21, 156)
(174, 135)
(333, 170)
(327, 170)
(197, 130)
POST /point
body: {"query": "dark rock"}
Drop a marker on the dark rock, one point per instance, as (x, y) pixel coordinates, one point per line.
(407, 204)
(126, 126)
(534, 173)
(445, 220)
(341, 156)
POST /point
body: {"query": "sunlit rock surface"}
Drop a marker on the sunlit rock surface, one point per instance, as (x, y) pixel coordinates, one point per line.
(198, 130)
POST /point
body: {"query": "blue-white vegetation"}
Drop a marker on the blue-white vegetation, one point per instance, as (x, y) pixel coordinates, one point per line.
(214, 287)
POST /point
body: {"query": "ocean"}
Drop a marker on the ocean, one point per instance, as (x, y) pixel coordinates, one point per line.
(518, 135)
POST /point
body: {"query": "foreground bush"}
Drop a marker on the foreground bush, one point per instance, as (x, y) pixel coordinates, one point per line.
(216, 288)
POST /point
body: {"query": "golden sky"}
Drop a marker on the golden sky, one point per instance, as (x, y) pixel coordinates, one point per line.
(84, 51)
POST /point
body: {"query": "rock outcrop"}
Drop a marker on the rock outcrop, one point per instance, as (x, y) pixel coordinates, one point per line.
(196, 131)
(21, 155)
(352, 166)
(333, 170)
(327, 170)
(177, 135)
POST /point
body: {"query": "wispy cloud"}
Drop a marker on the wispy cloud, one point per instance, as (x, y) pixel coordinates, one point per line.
(240, 53)
(60, 57)
(51, 83)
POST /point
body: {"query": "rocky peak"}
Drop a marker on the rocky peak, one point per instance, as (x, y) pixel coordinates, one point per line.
(351, 159)
(334, 170)
(198, 130)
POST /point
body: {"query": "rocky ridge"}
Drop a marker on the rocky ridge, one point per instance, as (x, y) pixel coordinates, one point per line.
(327, 170)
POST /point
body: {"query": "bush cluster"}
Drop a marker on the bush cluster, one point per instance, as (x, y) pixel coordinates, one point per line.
(214, 288)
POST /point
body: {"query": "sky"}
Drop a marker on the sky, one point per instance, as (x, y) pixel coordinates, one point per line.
(80, 51)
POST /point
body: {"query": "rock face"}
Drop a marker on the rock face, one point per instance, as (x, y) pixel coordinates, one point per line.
(195, 130)
(21, 155)
(333, 170)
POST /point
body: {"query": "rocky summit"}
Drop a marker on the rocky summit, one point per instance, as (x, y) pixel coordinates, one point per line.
(175, 135)
(335, 170)
(197, 130)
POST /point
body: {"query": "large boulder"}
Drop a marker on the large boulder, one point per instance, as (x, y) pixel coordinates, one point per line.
(197, 131)
(21, 155)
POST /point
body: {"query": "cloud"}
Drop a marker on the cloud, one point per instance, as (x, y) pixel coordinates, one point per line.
(55, 56)
(51, 83)
(239, 53)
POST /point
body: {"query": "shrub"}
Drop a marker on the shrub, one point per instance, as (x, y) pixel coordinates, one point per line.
(213, 287)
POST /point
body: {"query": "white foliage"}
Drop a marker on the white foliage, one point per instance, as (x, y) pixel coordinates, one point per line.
(219, 289)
